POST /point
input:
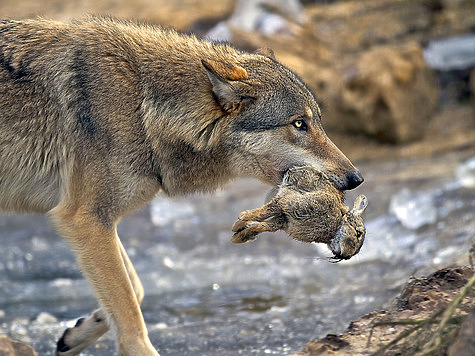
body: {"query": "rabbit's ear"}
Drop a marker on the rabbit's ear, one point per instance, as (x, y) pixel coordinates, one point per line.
(360, 205)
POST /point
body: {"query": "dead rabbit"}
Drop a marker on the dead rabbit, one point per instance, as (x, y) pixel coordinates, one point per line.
(309, 208)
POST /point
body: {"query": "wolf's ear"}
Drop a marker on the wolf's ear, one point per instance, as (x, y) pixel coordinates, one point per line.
(224, 78)
(360, 205)
(266, 51)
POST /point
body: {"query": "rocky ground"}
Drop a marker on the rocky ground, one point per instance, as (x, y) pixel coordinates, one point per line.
(404, 123)
(420, 299)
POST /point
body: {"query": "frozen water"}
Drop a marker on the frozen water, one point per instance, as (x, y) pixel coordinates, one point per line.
(451, 53)
(413, 209)
(385, 239)
(445, 254)
(206, 296)
(220, 32)
(249, 13)
(270, 24)
(45, 318)
(254, 15)
(165, 211)
(466, 173)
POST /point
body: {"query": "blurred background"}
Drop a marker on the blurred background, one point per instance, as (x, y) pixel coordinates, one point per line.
(396, 82)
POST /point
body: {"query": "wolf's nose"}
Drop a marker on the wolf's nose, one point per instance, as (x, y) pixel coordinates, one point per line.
(354, 179)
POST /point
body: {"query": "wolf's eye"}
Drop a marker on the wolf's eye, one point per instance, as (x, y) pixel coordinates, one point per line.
(300, 125)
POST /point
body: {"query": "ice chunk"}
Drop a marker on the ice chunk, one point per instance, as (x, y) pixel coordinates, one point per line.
(465, 173)
(446, 254)
(220, 32)
(164, 211)
(45, 318)
(248, 14)
(271, 24)
(260, 15)
(385, 239)
(412, 209)
(451, 53)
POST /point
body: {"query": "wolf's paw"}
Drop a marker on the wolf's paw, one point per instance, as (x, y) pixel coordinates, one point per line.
(86, 331)
(245, 232)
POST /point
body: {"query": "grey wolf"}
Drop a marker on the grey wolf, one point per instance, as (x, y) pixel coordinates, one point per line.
(98, 115)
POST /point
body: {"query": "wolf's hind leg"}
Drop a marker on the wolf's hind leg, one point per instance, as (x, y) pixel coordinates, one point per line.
(88, 329)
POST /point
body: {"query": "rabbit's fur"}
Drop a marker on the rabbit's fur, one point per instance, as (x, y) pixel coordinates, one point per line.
(309, 208)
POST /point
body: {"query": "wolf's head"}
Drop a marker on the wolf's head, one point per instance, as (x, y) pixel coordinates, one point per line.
(274, 121)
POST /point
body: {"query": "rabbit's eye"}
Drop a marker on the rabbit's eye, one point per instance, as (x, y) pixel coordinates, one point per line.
(358, 234)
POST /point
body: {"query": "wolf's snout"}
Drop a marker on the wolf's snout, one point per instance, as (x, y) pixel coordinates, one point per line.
(353, 180)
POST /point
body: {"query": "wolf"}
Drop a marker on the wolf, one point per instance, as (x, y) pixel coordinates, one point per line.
(97, 115)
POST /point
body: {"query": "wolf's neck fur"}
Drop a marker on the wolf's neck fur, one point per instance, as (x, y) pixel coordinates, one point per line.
(184, 123)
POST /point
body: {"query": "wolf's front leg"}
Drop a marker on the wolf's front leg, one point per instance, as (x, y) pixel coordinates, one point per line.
(88, 329)
(99, 255)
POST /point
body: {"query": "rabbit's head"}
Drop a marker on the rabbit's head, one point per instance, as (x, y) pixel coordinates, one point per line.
(350, 235)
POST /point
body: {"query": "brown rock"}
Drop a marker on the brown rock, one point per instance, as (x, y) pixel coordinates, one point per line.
(329, 345)
(9, 347)
(388, 93)
(420, 298)
(464, 344)
(472, 84)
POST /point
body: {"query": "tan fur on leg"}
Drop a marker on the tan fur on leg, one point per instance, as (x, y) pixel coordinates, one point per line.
(106, 271)
(88, 329)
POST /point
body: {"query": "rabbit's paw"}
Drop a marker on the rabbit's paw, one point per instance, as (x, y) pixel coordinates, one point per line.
(245, 231)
